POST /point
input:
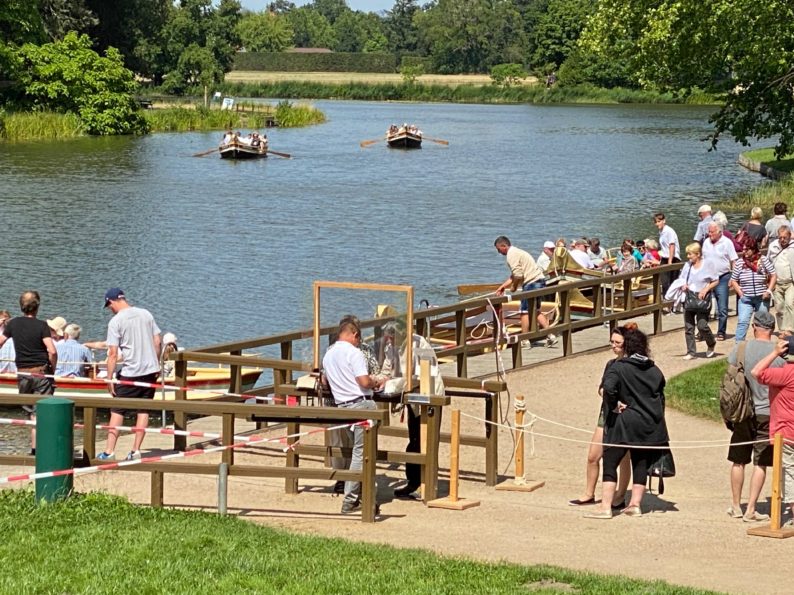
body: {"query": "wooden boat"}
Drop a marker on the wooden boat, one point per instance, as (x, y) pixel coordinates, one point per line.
(404, 137)
(240, 150)
(214, 379)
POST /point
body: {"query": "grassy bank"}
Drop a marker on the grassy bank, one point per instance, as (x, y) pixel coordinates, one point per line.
(99, 544)
(697, 391)
(31, 126)
(767, 194)
(463, 93)
(370, 78)
(39, 126)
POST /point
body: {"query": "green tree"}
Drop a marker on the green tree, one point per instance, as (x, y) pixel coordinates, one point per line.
(280, 6)
(400, 29)
(508, 75)
(265, 32)
(61, 16)
(472, 35)
(411, 72)
(330, 9)
(353, 31)
(741, 48)
(69, 76)
(557, 30)
(312, 30)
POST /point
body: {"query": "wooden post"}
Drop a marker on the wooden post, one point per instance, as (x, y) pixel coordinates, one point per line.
(291, 483)
(369, 487)
(180, 417)
(491, 441)
(89, 432)
(452, 502)
(519, 482)
(227, 438)
(774, 529)
(157, 489)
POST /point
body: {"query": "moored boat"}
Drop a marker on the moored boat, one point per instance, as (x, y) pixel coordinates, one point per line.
(199, 380)
(404, 137)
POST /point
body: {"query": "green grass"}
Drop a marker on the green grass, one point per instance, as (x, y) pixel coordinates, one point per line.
(697, 391)
(767, 157)
(764, 196)
(18, 126)
(101, 544)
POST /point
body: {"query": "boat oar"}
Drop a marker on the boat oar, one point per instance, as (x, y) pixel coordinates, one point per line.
(366, 143)
(436, 140)
(205, 152)
(284, 155)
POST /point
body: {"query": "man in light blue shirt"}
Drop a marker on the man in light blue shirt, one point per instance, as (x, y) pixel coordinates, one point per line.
(73, 357)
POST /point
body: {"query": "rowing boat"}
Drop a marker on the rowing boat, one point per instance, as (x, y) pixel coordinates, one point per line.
(199, 380)
(239, 150)
(404, 137)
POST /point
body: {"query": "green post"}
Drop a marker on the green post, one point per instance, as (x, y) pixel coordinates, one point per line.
(54, 447)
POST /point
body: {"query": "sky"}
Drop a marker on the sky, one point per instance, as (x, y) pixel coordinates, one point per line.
(366, 5)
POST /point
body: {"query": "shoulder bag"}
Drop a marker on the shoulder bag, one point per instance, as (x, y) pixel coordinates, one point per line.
(692, 301)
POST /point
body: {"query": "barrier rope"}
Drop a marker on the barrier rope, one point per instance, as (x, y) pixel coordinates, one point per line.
(158, 385)
(185, 454)
(670, 447)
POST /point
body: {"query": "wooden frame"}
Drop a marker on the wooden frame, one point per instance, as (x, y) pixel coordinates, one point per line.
(408, 290)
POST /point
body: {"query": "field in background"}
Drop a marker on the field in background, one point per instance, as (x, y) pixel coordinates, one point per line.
(335, 78)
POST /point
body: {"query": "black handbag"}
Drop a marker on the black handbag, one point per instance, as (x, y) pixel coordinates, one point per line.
(664, 466)
(693, 303)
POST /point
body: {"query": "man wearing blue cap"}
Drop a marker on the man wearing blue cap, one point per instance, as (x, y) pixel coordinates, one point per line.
(134, 335)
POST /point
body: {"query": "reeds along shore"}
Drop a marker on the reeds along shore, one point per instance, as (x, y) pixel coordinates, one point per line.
(456, 94)
(30, 126)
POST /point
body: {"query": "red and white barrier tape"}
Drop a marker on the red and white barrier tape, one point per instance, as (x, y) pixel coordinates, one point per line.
(177, 455)
(168, 387)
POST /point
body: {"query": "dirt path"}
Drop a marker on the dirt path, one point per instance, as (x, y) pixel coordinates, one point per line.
(687, 539)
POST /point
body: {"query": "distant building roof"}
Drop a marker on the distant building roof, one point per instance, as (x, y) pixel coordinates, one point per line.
(310, 51)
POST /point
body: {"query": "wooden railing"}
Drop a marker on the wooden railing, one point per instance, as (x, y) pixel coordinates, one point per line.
(293, 417)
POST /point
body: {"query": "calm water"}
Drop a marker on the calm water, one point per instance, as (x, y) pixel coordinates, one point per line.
(221, 250)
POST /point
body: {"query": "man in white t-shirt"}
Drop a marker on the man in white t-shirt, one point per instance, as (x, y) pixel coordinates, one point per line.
(781, 253)
(579, 254)
(345, 369)
(721, 254)
(669, 248)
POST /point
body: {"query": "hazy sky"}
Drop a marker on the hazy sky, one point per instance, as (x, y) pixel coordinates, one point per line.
(367, 5)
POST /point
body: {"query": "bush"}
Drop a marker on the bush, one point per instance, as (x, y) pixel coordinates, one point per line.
(410, 73)
(508, 75)
(330, 62)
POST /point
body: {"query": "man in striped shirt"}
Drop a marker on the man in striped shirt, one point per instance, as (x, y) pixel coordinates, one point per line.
(73, 357)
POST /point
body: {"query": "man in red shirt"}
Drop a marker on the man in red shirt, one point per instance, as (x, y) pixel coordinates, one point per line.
(781, 410)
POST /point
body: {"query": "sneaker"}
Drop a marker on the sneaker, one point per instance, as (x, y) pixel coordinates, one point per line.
(526, 344)
(339, 487)
(135, 455)
(688, 356)
(407, 491)
(105, 456)
(756, 516)
(351, 507)
(551, 340)
(599, 514)
(710, 354)
(734, 513)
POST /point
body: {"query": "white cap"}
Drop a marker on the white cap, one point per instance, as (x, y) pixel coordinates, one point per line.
(548, 244)
(704, 209)
(169, 338)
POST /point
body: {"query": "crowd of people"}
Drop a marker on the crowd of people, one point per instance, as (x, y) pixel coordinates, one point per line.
(409, 128)
(40, 351)
(252, 139)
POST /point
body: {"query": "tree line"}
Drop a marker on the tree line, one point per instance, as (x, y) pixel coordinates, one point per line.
(741, 50)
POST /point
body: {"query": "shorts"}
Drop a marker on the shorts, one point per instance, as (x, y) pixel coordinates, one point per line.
(754, 428)
(30, 385)
(537, 284)
(134, 392)
(788, 473)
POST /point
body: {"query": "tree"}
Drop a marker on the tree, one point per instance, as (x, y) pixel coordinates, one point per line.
(508, 75)
(265, 32)
(61, 16)
(411, 73)
(353, 31)
(69, 76)
(280, 6)
(330, 9)
(311, 29)
(737, 47)
(557, 30)
(400, 29)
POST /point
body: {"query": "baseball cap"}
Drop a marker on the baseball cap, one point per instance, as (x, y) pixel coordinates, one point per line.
(57, 325)
(114, 293)
(764, 320)
(548, 244)
(704, 209)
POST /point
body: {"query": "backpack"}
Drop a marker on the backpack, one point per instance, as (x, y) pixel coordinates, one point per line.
(736, 402)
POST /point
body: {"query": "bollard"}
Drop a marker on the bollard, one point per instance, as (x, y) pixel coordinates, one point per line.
(54, 447)
(223, 475)
(520, 483)
(452, 502)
